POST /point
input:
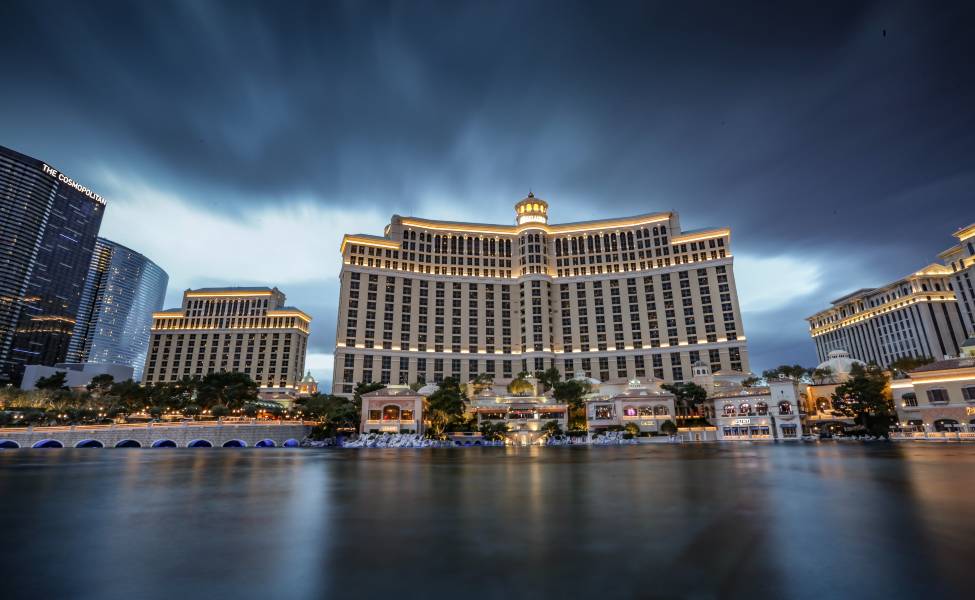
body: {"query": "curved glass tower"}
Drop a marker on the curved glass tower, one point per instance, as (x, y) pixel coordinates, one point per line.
(121, 292)
(48, 226)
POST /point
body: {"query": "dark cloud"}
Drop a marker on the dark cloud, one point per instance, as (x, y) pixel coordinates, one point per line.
(806, 129)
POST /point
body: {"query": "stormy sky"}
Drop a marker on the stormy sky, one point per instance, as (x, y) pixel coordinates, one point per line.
(236, 141)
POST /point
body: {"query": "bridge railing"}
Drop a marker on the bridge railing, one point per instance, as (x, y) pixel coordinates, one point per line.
(131, 426)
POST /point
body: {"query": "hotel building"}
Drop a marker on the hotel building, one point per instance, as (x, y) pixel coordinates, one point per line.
(960, 258)
(121, 292)
(48, 227)
(911, 317)
(618, 299)
(239, 329)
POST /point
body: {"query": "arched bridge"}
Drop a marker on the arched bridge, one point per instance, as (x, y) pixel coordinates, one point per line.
(197, 434)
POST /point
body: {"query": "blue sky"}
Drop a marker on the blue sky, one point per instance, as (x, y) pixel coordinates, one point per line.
(236, 141)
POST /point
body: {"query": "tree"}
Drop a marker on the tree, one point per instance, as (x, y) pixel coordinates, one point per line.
(482, 382)
(493, 432)
(520, 386)
(632, 428)
(793, 372)
(552, 428)
(909, 363)
(668, 427)
(449, 398)
(866, 397)
(100, 384)
(53, 383)
(571, 393)
(131, 396)
(749, 381)
(233, 390)
(689, 396)
(548, 378)
(364, 387)
(334, 412)
(821, 375)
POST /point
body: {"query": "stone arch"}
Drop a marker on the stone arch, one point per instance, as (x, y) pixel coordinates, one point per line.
(291, 443)
(128, 444)
(200, 444)
(10, 444)
(234, 444)
(164, 444)
(267, 443)
(89, 444)
(48, 444)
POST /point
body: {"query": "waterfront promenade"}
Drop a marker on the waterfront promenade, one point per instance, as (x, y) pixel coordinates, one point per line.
(190, 434)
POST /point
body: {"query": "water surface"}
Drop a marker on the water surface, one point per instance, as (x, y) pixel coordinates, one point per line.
(802, 521)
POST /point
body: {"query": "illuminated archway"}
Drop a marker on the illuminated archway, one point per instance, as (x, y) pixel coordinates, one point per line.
(48, 444)
(265, 444)
(200, 444)
(235, 444)
(10, 444)
(89, 444)
(292, 443)
(164, 444)
(128, 444)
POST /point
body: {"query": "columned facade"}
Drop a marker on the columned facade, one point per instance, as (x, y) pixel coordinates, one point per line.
(914, 316)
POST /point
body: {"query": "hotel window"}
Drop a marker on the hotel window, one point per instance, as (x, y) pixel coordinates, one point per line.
(938, 396)
(968, 393)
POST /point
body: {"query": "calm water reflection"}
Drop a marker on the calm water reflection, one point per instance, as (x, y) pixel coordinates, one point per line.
(814, 521)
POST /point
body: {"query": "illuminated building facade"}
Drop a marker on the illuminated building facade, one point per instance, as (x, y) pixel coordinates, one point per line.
(911, 317)
(122, 290)
(937, 397)
(960, 258)
(238, 329)
(618, 299)
(48, 227)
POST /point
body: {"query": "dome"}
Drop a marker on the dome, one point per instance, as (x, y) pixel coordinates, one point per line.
(308, 378)
(428, 389)
(840, 364)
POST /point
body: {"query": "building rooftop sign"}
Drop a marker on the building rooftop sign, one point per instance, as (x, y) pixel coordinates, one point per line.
(49, 170)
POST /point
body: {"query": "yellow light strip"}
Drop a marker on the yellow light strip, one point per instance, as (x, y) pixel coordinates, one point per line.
(376, 243)
(965, 232)
(704, 235)
(289, 313)
(517, 229)
(902, 302)
(225, 294)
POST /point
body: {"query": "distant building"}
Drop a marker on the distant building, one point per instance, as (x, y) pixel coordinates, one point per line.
(237, 329)
(960, 258)
(645, 405)
(818, 401)
(393, 409)
(621, 299)
(307, 386)
(122, 290)
(77, 375)
(48, 227)
(912, 317)
(769, 412)
(937, 397)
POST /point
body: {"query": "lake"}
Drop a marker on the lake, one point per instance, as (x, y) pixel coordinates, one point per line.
(819, 520)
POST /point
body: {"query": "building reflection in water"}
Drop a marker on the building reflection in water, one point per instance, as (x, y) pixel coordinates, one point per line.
(809, 520)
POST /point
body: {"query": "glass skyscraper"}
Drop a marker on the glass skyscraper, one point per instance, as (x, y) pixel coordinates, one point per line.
(121, 292)
(48, 227)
